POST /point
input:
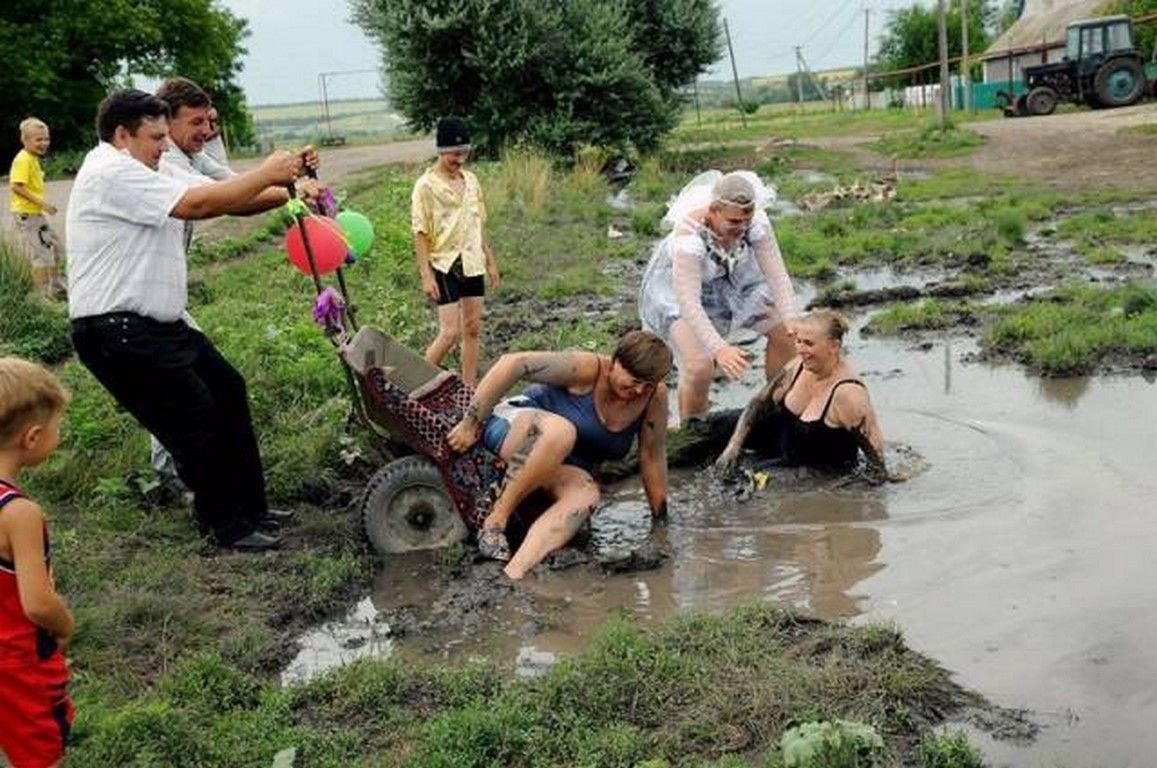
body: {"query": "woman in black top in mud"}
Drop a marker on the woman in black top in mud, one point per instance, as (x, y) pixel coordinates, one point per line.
(581, 409)
(816, 412)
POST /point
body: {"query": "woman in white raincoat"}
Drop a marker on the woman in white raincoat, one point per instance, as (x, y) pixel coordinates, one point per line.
(718, 270)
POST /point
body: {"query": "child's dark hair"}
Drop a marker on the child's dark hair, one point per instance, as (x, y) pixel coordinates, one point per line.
(28, 394)
(127, 107)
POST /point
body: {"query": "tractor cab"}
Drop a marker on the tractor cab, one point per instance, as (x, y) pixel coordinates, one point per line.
(1091, 42)
(1101, 68)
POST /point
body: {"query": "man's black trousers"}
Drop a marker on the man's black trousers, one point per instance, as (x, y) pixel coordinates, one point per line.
(179, 387)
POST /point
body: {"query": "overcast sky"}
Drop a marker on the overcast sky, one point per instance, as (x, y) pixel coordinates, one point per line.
(289, 49)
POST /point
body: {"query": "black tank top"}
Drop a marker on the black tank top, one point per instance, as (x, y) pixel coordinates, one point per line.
(814, 443)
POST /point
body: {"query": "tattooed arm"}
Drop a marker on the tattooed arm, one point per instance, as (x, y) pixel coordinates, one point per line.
(766, 402)
(653, 452)
(561, 369)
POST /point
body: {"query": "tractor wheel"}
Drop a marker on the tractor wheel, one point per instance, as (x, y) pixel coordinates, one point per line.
(1119, 83)
(405, 507)
(1041, 100)
(1021, 106)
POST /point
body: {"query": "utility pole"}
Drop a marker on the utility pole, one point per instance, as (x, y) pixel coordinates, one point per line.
(735, 76)
(867, 93)
(965, 74)
(815, 81)
(798, 76)
(942, 118)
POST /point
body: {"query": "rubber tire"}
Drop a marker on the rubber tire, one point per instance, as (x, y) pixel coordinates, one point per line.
(1041, 100)
(1102, 85)
(405, 507)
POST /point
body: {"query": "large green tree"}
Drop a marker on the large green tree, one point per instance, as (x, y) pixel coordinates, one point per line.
(63, 56)
(911, 39)
(555, 73)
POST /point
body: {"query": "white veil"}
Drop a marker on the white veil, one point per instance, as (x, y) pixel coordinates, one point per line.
(696, 196)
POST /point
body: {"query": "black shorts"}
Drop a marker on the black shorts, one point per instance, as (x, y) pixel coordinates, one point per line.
(454, 285)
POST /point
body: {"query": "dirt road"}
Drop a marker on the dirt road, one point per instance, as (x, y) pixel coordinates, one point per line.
(1095, 149)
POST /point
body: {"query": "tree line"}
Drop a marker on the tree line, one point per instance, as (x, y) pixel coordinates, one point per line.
(63, 57)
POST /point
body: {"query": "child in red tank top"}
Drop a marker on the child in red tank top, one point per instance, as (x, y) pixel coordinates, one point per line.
(35, 623)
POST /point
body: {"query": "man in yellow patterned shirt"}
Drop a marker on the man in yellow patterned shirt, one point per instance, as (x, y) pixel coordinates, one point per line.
(28, 205)
(447, 216)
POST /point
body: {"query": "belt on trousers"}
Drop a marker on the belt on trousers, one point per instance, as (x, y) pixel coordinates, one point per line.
(113, 319)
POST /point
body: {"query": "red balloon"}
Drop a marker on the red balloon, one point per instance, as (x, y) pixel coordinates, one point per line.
(326, 241)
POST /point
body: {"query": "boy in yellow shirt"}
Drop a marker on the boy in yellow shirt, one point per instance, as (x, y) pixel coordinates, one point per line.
(29, 206)
(454, 257)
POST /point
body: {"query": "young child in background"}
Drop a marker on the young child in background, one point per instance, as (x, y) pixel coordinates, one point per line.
(29, 206)
(454, 257)
(35, 624)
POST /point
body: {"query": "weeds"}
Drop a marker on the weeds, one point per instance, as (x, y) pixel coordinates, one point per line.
(949, 750)
(30, 327)
(1073, 330)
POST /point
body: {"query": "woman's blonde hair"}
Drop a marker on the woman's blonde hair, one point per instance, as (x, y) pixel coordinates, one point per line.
(29, 394)
(834, 324)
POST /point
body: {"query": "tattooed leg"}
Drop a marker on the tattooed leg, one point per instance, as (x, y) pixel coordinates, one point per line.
(577, 496)
(537, 445)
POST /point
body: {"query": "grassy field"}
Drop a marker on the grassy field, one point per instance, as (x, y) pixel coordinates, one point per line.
(176, 657)
(360, 121)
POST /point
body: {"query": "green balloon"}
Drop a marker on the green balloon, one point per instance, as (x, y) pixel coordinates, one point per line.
(358, 231)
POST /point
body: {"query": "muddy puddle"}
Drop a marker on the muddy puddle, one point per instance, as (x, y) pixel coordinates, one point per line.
(1017, 554)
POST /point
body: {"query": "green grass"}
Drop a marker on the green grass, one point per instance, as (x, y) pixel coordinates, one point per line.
(1095, 233)
(699, 689)
(928, 314)
(789, 122)
(30, 327)
(1078, 329)
(929, 142)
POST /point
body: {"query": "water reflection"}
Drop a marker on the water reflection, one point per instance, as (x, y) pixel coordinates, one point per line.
(1066, 392)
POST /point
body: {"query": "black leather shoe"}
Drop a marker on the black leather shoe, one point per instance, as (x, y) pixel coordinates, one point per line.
(273, 519)
(255, 542)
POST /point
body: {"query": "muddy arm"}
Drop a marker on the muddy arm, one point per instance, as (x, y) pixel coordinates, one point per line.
(760, 407)
(854, 410)
(653, 453)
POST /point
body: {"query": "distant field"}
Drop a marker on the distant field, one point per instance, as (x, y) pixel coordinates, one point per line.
(355, 121)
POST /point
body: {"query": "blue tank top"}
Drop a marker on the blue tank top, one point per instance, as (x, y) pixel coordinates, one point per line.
(594, 442)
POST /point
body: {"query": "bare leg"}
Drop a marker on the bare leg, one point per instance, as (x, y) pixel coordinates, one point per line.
(449, 328)
(695, 370)
(780, 350)
(471, 333)
(534, 451)
(576, 496)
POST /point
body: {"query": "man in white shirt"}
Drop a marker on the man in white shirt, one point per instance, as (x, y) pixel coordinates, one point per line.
(215, 144)
(127, 295)
(190, 125)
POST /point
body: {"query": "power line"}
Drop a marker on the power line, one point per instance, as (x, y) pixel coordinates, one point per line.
(829, 20)
(855, 17)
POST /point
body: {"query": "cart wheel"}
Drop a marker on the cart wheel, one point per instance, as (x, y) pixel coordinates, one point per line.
(405, 507)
